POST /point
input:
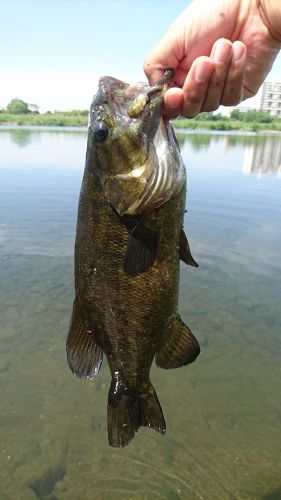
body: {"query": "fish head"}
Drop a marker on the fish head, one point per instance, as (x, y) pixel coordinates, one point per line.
(122, 144)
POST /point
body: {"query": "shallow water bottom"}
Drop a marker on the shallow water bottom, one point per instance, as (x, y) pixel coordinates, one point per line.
(223, 413)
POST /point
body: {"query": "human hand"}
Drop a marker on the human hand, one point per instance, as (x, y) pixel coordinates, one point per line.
(221, 52)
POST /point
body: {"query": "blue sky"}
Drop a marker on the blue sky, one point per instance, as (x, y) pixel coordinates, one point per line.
(52, 52)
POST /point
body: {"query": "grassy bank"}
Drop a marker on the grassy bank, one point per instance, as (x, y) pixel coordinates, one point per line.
(227, 125)
(205, 121)
(57, 119)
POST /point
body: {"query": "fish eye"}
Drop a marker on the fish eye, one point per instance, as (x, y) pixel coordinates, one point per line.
(100, 131)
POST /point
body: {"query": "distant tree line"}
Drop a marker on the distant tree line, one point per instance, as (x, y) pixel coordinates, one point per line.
(19, 107)
(253, 115)
(18, 112)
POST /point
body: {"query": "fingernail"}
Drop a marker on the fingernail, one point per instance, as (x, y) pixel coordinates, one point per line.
(203, 71)
(221, 51)
(238, 51)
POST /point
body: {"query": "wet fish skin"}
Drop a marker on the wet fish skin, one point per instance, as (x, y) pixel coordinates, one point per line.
(127, 254)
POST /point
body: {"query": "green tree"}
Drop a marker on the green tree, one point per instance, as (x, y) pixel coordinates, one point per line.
(17, 107)
(253, 115)
(236, 114)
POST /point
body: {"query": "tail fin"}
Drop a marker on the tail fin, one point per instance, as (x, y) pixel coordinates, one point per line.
(130, 409)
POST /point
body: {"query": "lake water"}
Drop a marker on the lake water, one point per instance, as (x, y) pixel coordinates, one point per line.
(223, 413)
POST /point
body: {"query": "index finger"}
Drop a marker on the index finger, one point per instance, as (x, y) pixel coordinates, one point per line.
(162, 57)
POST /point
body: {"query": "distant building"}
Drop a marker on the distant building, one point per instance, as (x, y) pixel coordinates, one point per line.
(227, 110)
(267, 99)
(271, 98)
(33, 108)
(247, 105)
(251, 103)
(244, 108)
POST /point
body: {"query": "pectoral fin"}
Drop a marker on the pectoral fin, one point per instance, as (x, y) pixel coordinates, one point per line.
(141, 250)
(184, 251)
(179, 349)
(84, 356)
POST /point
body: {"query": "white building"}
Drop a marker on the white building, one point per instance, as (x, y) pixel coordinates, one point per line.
(271, 98)
(34, 108)
(267, 99)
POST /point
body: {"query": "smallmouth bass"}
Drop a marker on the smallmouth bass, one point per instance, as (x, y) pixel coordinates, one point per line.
(129, 242)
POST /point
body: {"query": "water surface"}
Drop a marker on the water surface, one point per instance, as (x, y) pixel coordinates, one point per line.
(223, 413)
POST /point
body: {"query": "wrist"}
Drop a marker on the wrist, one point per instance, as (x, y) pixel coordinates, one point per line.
(270, 12)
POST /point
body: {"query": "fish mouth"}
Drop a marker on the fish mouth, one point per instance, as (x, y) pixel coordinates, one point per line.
(141, 101)
(132, 100)
(167, 78)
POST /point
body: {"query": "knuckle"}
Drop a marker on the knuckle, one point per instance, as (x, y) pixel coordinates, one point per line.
(250, 92)
(215, 84)
(231, 100)
(234, 88)
(190, 112)
(212, 107)
(190, 115)
(234, 83)
(195, 98)
(233, 91)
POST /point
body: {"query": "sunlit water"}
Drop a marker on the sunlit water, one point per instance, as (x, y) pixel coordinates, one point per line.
(223, 413)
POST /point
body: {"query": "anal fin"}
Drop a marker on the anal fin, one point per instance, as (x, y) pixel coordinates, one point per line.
(179, 349)
(84, 356)
(184, 251)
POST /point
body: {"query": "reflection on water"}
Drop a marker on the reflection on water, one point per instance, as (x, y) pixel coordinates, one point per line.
(262, 153)
(263, 158)
(223, 413)
(21, 137)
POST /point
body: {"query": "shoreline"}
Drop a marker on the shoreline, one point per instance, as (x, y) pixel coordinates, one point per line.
(73, 128)
(250, 121)
(190, 130)
(81, 123)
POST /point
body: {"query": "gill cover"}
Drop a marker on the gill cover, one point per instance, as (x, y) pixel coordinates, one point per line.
(137, 156)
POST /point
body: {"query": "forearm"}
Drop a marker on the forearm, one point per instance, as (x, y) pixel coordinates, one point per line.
(270, 11)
